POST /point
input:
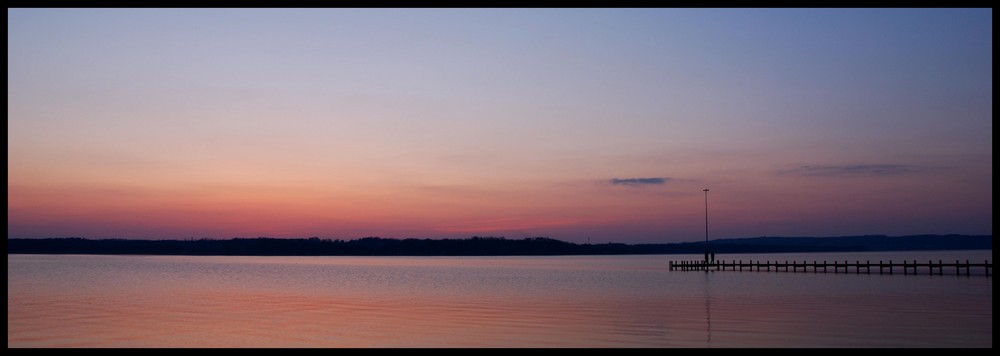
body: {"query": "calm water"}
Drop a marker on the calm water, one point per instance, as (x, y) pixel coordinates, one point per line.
(564, 301)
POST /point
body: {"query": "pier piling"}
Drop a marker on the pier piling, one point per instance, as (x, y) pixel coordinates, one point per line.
(822, 267)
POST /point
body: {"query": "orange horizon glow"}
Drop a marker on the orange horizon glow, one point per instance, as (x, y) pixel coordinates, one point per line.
(346, 123)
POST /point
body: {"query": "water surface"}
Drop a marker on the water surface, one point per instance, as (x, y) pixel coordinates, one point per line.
(560, 301)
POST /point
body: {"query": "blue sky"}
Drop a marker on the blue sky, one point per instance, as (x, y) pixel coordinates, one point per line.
(450, 122)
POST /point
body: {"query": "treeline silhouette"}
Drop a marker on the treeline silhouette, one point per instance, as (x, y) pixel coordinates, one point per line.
(485, 246)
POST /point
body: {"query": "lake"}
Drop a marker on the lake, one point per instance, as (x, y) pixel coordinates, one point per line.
(551, 301)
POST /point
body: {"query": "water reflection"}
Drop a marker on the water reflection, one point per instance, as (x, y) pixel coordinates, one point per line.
(708, 308)
(594, 301)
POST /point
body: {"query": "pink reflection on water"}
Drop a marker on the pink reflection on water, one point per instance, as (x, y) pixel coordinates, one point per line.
(600, 301)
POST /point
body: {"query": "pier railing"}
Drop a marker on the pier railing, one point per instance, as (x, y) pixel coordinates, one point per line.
(858, 267)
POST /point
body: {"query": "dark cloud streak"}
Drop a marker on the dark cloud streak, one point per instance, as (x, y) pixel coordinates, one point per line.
(853, 170)
(638, 181)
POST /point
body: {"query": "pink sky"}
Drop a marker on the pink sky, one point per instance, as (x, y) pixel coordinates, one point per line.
(346, 123)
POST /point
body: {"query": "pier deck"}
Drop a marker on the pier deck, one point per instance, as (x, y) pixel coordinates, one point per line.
(880, 267)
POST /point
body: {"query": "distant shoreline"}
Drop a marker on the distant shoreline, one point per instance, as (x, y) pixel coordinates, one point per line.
(486, 246)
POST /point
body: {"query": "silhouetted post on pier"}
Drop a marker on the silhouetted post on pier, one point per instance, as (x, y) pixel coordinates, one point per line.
(706, 226)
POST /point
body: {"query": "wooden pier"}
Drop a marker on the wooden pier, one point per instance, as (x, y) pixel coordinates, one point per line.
(858, 267)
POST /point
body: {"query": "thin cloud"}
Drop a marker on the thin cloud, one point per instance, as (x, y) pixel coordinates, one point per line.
(638, 181)
(854, 170)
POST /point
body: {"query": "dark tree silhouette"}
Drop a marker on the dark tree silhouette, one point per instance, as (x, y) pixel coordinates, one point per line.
(485, 246)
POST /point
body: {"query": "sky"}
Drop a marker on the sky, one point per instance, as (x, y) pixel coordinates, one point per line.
(576, 124)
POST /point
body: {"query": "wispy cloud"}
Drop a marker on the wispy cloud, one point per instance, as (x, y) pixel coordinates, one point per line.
(853, 170)
(638, 181)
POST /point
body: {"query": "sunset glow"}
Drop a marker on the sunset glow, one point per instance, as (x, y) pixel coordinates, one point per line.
(431, 123)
